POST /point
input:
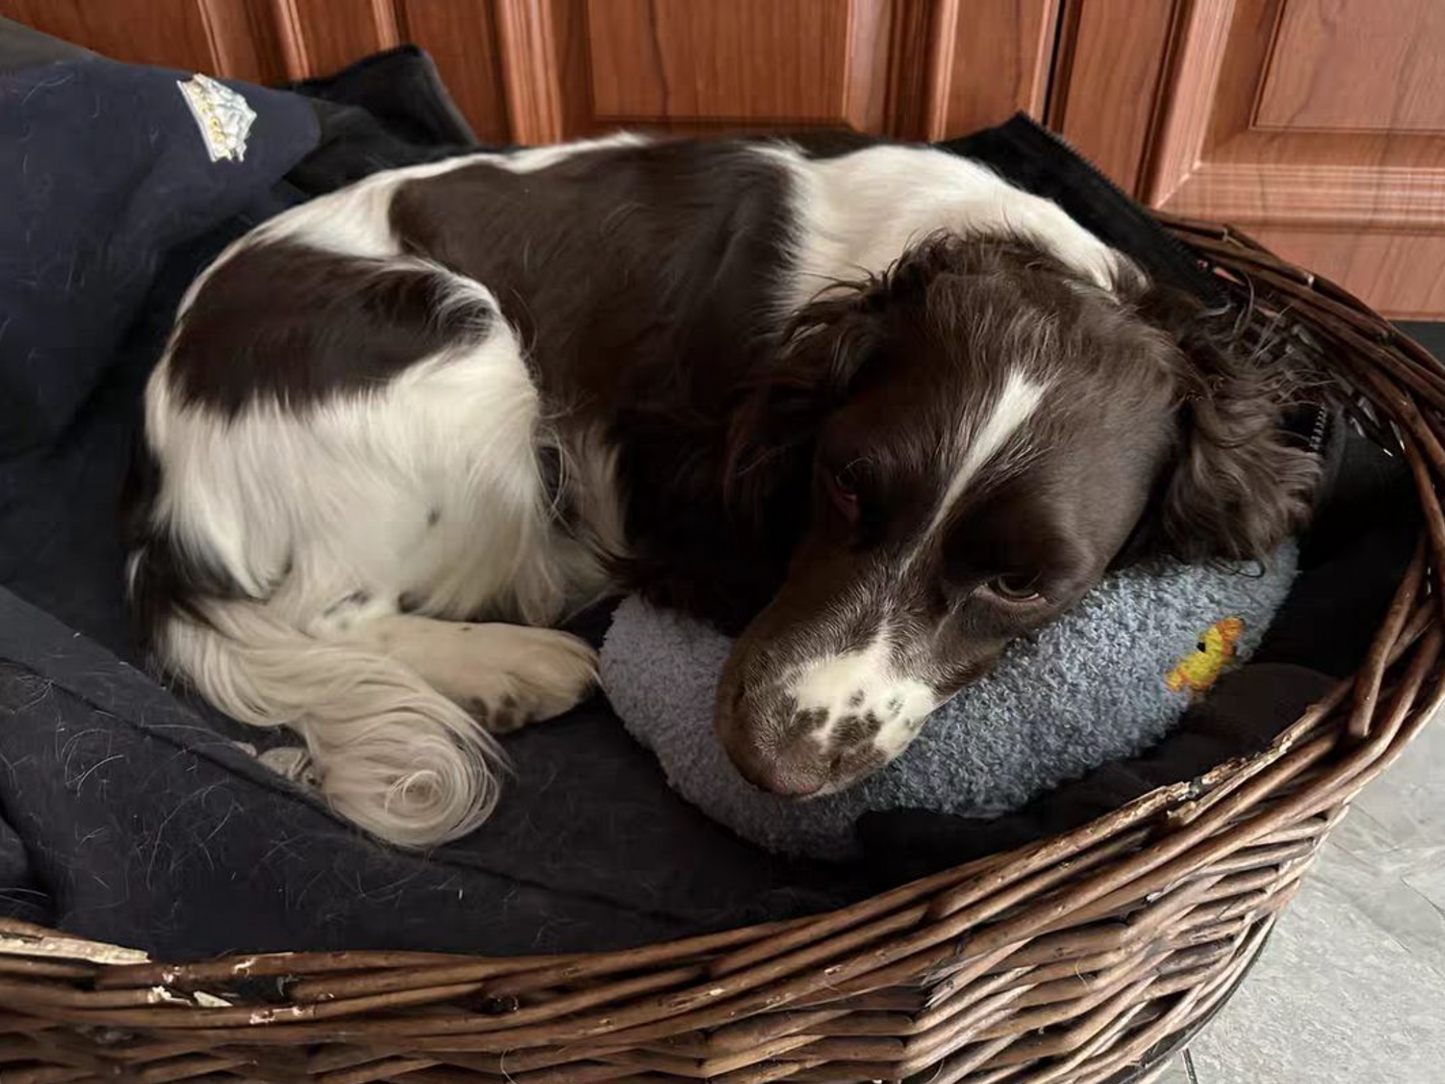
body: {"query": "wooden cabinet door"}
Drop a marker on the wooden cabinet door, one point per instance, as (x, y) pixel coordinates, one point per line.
(1317, 126)
(908, 68)
(537, 71)
(220, 37)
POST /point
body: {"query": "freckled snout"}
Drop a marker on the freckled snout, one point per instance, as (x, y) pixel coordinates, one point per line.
(820, 726)
(795, 769)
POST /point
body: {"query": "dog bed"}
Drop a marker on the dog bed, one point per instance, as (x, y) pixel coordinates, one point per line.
(138, 808)
(1103, 683)
(137, 835)
(1098, 925)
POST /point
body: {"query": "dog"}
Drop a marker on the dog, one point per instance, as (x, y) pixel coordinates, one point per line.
(871, 408)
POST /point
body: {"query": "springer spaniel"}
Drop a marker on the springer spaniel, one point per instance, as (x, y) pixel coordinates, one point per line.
(872, 408)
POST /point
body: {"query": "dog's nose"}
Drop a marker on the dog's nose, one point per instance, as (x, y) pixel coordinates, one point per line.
(783, 780)
(793, 770)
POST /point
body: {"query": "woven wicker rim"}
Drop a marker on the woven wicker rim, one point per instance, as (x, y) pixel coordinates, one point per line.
(1068, 960)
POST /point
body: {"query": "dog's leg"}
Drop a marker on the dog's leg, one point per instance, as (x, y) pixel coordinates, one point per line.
(505, 675)
(396, 709)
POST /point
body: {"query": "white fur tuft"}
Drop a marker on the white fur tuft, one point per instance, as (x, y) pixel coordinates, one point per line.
(857, 213)
(387, 751)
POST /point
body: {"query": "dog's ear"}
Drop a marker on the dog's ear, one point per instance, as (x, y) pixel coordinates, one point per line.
(822, 354)
(1238, 484)
(829, 346)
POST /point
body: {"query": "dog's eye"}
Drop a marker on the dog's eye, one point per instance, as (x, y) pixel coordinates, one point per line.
(843, 491)
(1019, 588)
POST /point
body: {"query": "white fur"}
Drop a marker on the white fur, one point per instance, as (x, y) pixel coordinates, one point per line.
(979, 445)
(356, 220)
(860, 683)
(857, 213)
(389, 752)
(352, 482)
(428, 488)
(341, 493)
(530, 673)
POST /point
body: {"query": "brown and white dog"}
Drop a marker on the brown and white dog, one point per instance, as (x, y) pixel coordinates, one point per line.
(874, 410)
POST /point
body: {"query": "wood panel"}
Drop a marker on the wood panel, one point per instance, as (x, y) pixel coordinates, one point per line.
(322, 36)
(686, 66)
(244, 40)
(545, 68)
(1323, 192)
(462, 37)
(1214, 160)
(1399, 274)
(908, 68)
(171, 33)
(538, 71)
(1363, 65)
(996, 61)
(656, 61)
(1112, 62)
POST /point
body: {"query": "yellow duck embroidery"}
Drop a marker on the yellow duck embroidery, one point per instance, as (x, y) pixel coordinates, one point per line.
(1211, 655)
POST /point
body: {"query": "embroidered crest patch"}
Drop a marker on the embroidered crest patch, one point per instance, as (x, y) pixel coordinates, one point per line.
(222, 115)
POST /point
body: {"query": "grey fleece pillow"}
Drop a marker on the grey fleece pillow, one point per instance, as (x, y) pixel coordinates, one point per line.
(1104, 682)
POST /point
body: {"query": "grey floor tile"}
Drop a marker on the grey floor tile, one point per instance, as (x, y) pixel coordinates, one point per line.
(1335, 1000)
(1407, 801)
(1351, 989)
(1384, 889)
(1173, 1072)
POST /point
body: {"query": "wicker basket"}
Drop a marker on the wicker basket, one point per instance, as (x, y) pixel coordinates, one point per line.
(1083, 958)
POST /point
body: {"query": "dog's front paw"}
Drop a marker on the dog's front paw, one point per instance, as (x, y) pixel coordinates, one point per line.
(534, 674)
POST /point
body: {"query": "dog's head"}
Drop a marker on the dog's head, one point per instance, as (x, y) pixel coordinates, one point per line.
(984, 433)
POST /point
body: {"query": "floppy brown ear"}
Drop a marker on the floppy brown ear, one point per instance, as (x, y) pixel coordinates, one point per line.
(828, 345)
(1240, 484)
(783, 403)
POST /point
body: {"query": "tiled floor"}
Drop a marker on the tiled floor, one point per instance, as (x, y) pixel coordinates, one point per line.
(1351, 988)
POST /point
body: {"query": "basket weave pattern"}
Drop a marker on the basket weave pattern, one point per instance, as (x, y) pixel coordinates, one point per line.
(1073, 960)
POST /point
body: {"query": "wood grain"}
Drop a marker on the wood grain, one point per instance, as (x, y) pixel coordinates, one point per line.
(1214, 161)
(750, 61)
(171, 33)
(918, 50)
(997, 60)
(1112, 60)
(319, 37)
(918, 69)
(244, 39)
(535, 38)
(866, 80)
(1402, 275)
(1324, 195)
(538, 71)
(1341, 65)
(462, 37)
